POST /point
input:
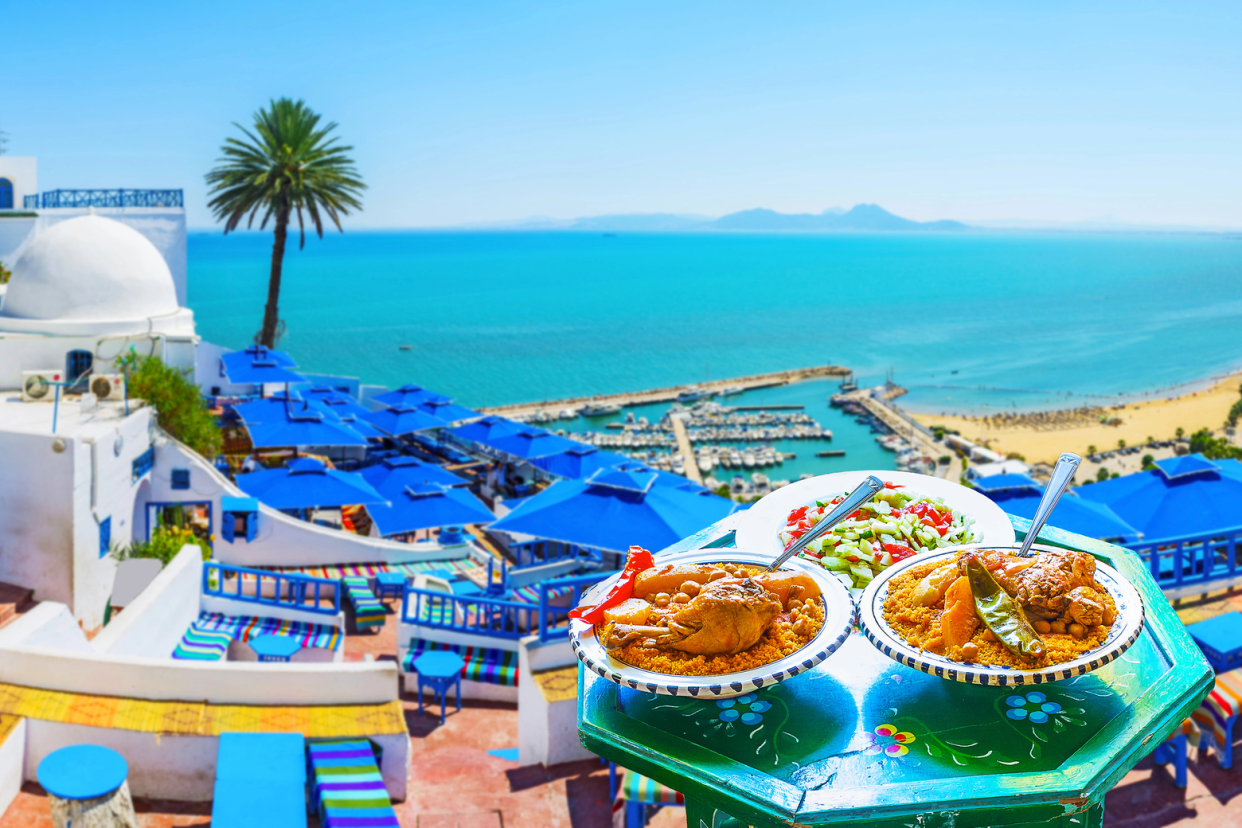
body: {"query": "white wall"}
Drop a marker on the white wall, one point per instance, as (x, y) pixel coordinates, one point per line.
(36, 514)
(48, 625)
(23, 171)
(154, 622)
(547, 731)
(12, 765)
(37, 352)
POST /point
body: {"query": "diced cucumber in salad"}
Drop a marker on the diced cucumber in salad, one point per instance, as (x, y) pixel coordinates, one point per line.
(893, 526)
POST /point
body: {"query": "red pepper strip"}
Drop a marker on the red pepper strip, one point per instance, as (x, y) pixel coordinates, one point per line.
(638, 560)
(893, 486)
(899, 551)
(797, 514)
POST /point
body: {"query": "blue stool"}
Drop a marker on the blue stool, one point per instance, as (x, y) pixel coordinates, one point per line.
(1220, 638)
(82, 777)
(439, 668)
(1174, 750)
(389, 585)
(277, 648)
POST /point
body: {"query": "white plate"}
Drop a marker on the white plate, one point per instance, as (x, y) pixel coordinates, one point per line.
(759, 527)
(1121, 635)
(838, 619)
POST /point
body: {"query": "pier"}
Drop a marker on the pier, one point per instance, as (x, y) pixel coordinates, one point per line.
(669, 394)
(881, 406)
(687, 453)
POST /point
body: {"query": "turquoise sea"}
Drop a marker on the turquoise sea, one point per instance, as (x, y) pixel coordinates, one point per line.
(508, 317)
(967, 321)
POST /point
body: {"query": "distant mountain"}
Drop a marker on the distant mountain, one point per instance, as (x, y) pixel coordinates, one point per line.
(861, 217)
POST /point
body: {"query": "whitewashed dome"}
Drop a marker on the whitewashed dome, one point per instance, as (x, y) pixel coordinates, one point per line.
(89, 270)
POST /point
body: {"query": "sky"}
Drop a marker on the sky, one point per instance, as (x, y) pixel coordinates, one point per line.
(486, 112)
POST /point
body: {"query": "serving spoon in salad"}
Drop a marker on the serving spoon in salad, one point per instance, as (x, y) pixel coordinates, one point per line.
(866, 490)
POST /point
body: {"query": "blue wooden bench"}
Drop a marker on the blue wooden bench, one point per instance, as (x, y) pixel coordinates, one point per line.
(260, 781)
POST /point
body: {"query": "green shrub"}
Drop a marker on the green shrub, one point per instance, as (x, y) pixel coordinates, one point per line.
(1213, 448)
(1102, 474)
(1149, 460)
(177, 403)
(165, 543)
(5, 274)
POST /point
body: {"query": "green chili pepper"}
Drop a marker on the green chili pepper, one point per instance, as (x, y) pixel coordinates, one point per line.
(1002, 615)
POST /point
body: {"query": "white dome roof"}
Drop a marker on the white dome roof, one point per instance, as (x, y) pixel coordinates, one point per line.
(90, 269)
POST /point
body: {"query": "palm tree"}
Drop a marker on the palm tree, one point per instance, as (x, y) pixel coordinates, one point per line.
(287, 164)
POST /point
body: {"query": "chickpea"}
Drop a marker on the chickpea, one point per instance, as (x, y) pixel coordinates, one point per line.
(988, 635)
(1042, 627)
(1109, 616)
(802, 627)
(661, 599)
(796, 603)
(970, 651)
(1078, 631)
(1057, 627)
(717, 575)
(730, 568)
(691, 588)
(681, 598)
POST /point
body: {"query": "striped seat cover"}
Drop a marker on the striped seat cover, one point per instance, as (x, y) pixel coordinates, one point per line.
(530, 594)
(202, 645)
(368, 611)
(483, 665)
(245, 627)
(1222, 703)
(639, 788)
(347, 789)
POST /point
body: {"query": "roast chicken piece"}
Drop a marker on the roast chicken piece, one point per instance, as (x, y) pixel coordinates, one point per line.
(1044, 584)
(727, 616)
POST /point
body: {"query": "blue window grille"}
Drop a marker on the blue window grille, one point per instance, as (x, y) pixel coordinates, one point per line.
(181, 478)
(78, 363)
(144, 462)
(105, 536)
(6, 194)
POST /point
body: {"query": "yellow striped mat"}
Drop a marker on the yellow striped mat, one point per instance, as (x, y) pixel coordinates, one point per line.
(176, 718)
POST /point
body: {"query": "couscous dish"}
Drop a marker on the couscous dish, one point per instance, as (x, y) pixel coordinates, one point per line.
(995, 608)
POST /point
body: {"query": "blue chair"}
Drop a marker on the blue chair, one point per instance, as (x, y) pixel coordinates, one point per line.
(1173, 750)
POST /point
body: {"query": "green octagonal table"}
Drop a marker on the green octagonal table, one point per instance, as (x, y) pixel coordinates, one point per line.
(864, 741)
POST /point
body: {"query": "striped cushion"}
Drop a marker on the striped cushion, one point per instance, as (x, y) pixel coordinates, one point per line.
(245, 627)
(1222, 703)
(368, 611)
(202, 645)
(530, 594)
(639, 788)
(348, 789)
(482, 665)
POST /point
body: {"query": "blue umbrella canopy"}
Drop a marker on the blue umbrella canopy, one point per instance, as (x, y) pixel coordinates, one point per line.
(397, 473)
(446, 409)
(288, 421)
(614, 509)
(307, 483)
(579, 462)
(407, 395)
(530, 443)
(428, 506)
(486, 429)
(345, 409)
(1182, 496)
(257, 365)
(401, 419)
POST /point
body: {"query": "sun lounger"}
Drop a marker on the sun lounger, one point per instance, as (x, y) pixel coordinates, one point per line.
(260, 781)
(368, 611)
(347, 788)
(488, 666)
(209, 637)
(202, 645)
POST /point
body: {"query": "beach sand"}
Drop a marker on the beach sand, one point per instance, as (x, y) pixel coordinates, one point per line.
(1158, 419)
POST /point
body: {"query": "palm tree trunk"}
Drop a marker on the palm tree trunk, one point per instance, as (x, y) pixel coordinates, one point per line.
(271, 317)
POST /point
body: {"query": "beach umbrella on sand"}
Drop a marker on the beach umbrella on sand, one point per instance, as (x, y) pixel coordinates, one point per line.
(407, 395)
(579, 462)
(532, 442)
(306, 483)
(1189, 495)
(400, 420)
(614, 509)
(447, 410)
(397, 473)
(257, 365)
(485, 430)
(287, 421)
(428, 506)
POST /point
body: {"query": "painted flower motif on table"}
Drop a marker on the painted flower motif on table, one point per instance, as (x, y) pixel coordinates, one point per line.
(1034, 707)
(889, 741)
(746, 709)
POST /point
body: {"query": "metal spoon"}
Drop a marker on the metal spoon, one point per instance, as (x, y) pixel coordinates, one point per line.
(866, 490)
(1062, 476)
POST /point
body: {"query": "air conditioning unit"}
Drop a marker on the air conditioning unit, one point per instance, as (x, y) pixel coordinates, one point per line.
(107, 386)
(38, 386)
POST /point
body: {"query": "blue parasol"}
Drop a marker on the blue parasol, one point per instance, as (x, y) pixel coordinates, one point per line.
(428, 506)
(579, 462)
(288, 421)
(257, 365)
(400, 420)
(306, 483)
(396, 473)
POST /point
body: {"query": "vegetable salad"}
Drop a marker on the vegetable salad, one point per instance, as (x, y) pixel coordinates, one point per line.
(891, 527)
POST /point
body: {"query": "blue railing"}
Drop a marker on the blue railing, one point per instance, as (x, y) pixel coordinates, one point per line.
(105, 198)
(554, 620)
(477, 615)
(1191, 560)
(258, 586)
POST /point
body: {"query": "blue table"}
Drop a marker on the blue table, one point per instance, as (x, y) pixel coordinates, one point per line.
(82, 779)
(439, 669)
(1220, 638)
(274, 647)
(260, 781)
(389, 585)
